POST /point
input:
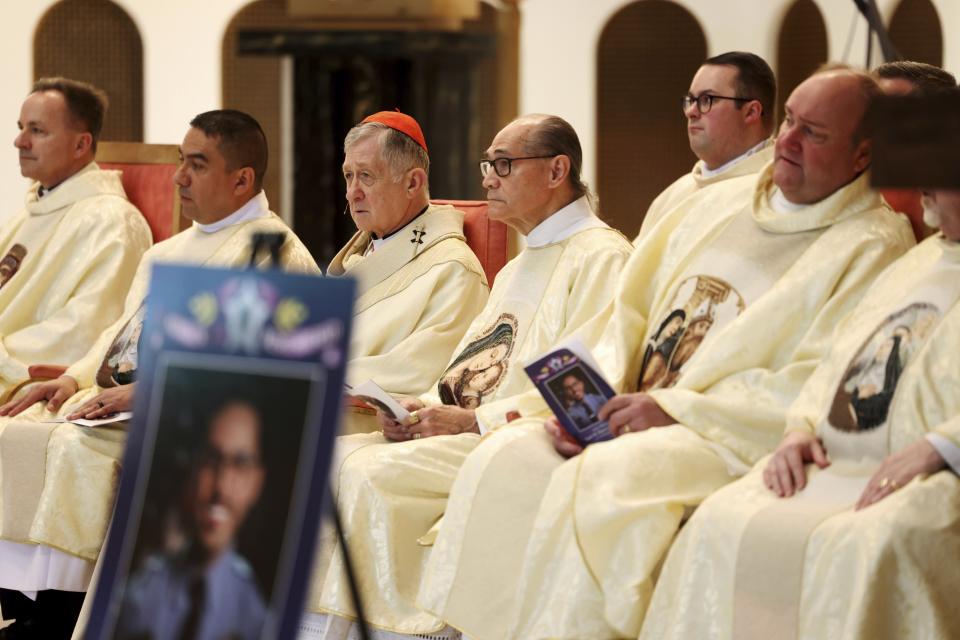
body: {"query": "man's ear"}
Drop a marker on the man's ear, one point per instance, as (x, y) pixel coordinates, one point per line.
(415, 182)
(83, 144)
(559, 170)
(244, 181)
(862, 155)
(752, 112)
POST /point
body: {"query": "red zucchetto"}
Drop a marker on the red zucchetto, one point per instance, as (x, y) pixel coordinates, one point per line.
(399, 122)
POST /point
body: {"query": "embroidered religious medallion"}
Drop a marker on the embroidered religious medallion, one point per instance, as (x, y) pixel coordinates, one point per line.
(119, 366)
(11, 262)
(479, 369)
(862, 401)
(700, 304)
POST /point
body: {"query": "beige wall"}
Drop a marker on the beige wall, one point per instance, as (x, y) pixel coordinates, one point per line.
(182, 39)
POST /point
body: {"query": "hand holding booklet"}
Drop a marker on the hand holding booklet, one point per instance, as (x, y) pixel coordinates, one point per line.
(568, 378)
(373, 394)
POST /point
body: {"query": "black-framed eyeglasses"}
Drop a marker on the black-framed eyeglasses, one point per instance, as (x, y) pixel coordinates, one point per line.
(704, 101)
(503, 165)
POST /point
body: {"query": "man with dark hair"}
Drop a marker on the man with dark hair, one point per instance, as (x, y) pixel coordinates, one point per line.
(418, 283)
(395, 483)
(86, 103)
(901, 78)
(203, 588)
(220, 195)
(730, 118)
(581, 405)
(240, 139)
(67, 259)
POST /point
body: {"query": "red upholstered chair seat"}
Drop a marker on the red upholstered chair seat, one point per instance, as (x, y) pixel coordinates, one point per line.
(148, 180)
(907, 202)
(487, 238)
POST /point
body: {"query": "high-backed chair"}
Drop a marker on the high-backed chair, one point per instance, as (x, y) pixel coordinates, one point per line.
(148, 180)
(487, 238)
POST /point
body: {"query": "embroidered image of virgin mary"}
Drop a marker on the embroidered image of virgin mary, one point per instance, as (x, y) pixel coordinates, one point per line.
(476, 373)
(862, 402)
(700, 303)
(119, 366)
(11, 262)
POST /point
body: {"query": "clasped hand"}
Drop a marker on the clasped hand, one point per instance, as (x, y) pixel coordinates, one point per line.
(786, 472)
(431, 421)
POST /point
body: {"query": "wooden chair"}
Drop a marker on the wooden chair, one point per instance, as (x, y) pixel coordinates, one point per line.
(487, 238)
(148, 180)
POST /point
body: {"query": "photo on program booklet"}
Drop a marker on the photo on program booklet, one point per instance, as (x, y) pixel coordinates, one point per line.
(568, 380)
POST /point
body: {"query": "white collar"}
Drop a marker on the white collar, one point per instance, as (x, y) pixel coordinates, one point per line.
(780, 204)
(256, 207)
(709, 173)
(562, 224)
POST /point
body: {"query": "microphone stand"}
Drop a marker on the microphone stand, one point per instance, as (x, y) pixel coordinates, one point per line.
(875, 25)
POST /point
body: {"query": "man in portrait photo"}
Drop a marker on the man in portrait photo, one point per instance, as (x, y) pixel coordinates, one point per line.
(205, 589)
(582, 406)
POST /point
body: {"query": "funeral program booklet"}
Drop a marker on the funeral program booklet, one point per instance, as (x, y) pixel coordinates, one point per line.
(371, 393)
(568, 379)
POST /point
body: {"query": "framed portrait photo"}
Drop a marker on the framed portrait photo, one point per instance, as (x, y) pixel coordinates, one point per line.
(224, 473)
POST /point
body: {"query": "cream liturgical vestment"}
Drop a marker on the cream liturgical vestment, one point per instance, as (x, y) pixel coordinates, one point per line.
(700, 177)
(721, 330)
(417, 293)
(66, 262)
(752, 565)
(390, 494)
(57, 481)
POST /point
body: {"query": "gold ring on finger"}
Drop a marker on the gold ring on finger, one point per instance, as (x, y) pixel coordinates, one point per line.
(414, 418)
(884, 483)
(416, 436)
(626, 428)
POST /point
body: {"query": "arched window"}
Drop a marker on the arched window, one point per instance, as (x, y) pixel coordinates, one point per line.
(916, 32)
(647, 54)
(801, 48)
(95, 41)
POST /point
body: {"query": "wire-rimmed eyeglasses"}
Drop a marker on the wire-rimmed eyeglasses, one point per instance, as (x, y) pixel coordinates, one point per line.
(502, 166)
(704, 101)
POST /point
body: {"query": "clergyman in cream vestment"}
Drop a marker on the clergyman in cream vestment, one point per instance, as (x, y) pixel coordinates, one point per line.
(66, 262)
(391, 493)
(417, 293)
(57, 481)
(721, 330)
(752, 565)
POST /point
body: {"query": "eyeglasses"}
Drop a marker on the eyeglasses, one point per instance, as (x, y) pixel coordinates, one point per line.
(503, 165)
(704, 101)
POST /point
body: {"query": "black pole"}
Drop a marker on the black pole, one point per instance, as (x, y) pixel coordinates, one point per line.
(875, 25)
(348, 567)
